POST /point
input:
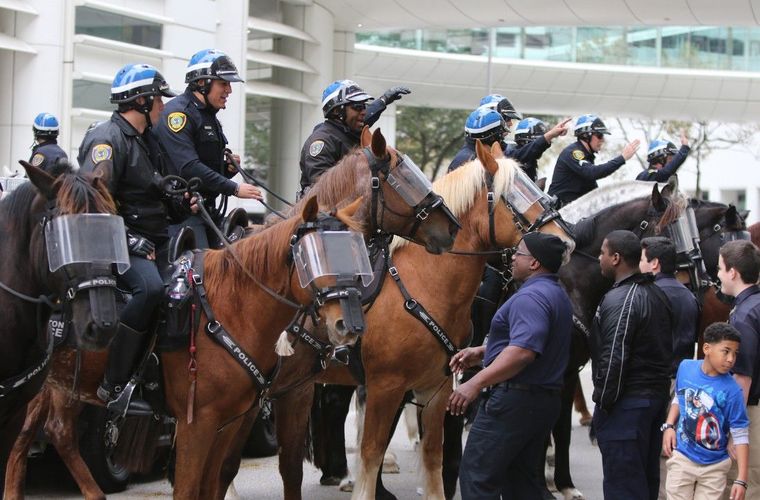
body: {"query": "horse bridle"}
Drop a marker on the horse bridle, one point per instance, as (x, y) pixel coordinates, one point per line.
(421, 211)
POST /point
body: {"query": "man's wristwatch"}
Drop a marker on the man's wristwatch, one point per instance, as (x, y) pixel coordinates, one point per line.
(666, 426)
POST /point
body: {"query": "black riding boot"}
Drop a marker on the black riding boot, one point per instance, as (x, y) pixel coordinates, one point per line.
(117, 388)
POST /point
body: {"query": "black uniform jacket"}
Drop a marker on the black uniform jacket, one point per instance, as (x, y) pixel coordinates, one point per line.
(575, 173)
(47, 154)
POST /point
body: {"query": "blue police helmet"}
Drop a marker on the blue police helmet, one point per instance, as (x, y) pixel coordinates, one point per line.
(45, 125)
(529, 129)
(502, 105)
(659, 151)
(342, 92)
(485, 124)
(211, 64)
(138, 80)
(586, 125)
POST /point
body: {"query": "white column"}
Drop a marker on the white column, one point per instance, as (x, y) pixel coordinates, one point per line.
(292, 122)
(753, 205)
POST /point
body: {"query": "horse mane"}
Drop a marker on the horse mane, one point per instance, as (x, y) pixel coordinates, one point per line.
(257, 254)
(460, 187)
(82, 193)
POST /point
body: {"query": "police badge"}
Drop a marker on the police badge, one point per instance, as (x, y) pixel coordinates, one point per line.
(578, 155)
(37, 159)
(176, 121)
(316, 147)
(101, 152)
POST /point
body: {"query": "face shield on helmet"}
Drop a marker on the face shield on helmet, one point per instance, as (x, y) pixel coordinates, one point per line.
(588, 125)
(485, 124)
(502, 105)
(211, 64)
(45, 126)
(529, 129)
(340, 93)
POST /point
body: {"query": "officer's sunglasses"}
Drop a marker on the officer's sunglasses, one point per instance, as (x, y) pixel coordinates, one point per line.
(598, 135)
(358, 106)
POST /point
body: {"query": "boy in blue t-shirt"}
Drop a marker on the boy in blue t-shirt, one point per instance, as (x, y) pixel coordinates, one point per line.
(709, 405)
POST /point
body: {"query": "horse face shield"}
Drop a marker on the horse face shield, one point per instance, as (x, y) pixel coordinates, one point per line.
(342, 255)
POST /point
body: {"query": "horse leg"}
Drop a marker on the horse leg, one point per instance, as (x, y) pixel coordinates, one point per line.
(382, 406)
(329, 413)
(562, 431)
(15, 472)
(231, 464)
(432, 438)
(61, 428)
(194, 443)
(13, 422)
(579, 402)
(224, 452)
(292, 429)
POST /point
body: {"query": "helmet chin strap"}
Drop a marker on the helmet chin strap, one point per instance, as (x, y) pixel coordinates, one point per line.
(145, 110)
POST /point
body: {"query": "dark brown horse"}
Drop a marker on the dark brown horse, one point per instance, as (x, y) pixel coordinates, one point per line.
(29, 289)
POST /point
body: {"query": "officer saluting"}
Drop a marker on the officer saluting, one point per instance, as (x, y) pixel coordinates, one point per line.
(575, 173)
(664, 159)
(46, 151)
(193, 138)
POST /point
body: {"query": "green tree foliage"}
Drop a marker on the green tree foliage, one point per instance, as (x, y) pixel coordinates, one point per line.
(430, 136)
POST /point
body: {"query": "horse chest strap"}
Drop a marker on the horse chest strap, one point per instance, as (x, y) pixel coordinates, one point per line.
(216, 331)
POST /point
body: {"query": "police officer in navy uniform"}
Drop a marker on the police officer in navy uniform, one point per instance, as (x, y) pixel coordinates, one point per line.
(525, 360)
(527, 154)
(192, 136)
(664, 159)
(120, 149)
(347, 109)
(532, 138)
(46, 152)
(575, 173)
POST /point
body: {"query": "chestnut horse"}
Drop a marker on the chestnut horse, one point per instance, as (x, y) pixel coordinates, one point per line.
(28, 289)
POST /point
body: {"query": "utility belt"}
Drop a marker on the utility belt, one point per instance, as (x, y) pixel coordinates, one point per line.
(517, 386)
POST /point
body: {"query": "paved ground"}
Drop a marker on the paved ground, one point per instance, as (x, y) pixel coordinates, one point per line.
(259, 478)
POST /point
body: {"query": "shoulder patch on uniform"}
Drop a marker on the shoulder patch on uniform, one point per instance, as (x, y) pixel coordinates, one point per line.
(176, 121)
(37, 159)
(316, 147)
(101, 152)
(578, 155)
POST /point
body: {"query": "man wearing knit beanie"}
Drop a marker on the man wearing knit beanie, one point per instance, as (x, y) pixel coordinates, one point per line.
(525, 360)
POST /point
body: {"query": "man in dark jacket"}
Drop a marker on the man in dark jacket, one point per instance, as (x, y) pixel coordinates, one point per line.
(575, 173)
(664, 159)
(119, 148)
(631, 354)
(347, 109)
(658, 257)
(46, 151)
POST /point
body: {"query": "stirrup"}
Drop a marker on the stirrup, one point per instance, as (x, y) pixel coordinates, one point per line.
(122, 405)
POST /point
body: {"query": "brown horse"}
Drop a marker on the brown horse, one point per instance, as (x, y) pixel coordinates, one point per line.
(407, 356)
(29, 289)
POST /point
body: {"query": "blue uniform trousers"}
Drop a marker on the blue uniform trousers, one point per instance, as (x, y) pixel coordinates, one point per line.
(504, 450)
(630, 440)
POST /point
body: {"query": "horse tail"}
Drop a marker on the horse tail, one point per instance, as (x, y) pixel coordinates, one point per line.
(138, 441)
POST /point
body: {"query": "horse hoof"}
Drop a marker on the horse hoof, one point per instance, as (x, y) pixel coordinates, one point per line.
(346, 485)
(390, 464)
(329, 480)
(586, 420)
(572, 494)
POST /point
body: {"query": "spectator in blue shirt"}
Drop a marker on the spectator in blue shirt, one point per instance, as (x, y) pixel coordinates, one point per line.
(708, 406)
(525, 360)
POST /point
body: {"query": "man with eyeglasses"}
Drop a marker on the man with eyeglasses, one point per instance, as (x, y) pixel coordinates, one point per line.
(575, 173)
(347, 109)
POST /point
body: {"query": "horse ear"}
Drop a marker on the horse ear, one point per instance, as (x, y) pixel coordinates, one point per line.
(366, 137)
(744, 214)
(658, 202)
(486, 158)
(731, 215)
(346, 213)
(496, 150)
(541, 183)
(310, 210)
(671, 187)
(378, 144)
(104, 174)
(41, 179)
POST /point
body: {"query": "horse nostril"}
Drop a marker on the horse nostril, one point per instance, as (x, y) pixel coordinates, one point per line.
(340, 327)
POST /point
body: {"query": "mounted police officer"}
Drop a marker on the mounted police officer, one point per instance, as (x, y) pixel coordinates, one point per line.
(664, 159)
(46, 152)
(527, 153)
(575, 173)
(347, 109)
(192, 135)
(121, 149)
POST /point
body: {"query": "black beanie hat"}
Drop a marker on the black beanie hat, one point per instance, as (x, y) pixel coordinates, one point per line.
(546, 248)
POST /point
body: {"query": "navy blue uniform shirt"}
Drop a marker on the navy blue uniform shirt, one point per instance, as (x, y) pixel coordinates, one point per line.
(575, 173)
(539, 317)
(669, 169)
(745, 317)
(47, 154)
(685, 316)
(526, 155)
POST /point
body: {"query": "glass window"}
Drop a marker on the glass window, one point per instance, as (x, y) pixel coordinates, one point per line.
(117, 27)
(258, 114)
(92, 95)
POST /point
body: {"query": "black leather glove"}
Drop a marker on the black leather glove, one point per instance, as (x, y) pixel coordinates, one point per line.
(394, 94)
(139, 245)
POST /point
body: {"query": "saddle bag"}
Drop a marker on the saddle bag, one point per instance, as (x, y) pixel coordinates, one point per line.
(177, 306)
